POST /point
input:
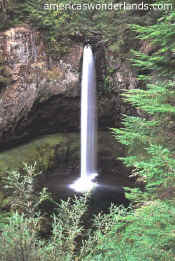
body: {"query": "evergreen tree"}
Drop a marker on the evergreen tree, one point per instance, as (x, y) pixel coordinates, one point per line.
(61, 22)
(150, 137)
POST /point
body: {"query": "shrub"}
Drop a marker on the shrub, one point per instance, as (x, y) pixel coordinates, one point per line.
(146, 233)
(22, 195)
(18, 240)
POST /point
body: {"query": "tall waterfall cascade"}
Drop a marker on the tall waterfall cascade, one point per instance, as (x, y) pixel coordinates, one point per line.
(88, 124)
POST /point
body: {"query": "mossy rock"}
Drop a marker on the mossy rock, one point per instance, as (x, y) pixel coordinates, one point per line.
(46, 151)
(40, 151)
(57, 150)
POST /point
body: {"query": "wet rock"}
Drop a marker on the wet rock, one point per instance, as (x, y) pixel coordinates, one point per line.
(37, 83)
(43, 95)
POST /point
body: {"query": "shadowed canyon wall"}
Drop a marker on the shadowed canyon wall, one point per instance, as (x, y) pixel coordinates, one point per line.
(41, 95)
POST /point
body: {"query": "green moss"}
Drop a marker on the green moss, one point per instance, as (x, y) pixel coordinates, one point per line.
(54, 149)
(1, 197)
(5, 75)
(4, 202)
(40, 150)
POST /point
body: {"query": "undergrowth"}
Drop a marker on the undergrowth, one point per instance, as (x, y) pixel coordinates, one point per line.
(145, 233)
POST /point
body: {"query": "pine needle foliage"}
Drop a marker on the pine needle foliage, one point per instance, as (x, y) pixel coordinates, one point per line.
(149, 137)
(61, 24)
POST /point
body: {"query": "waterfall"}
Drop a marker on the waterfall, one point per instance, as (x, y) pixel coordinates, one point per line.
(88, 115)
(88, 124)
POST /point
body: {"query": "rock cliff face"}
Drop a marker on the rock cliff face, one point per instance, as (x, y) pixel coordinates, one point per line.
(43, 95)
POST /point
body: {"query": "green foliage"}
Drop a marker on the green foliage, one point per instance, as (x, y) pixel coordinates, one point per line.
(161, 36)
(146, 233)
(18, 240)
(158, 165)
(108, 81)
(20, 186)
(20, 237)
(66, 227)
(149, 136)
(136, 196)
(61, 24)
(20, 230)
(5, 76)
(45, 157)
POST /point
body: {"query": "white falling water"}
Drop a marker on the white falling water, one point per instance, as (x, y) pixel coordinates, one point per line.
(88, 124)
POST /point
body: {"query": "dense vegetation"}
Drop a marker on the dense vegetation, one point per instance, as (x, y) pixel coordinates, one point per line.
(60, 27)
(145, 231)
(150, 138)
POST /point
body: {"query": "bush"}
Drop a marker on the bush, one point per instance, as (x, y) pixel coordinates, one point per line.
(20, 185)
(146, 233)
(18, 240)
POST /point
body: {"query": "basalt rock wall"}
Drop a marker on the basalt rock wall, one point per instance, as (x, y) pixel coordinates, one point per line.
(41, 95)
